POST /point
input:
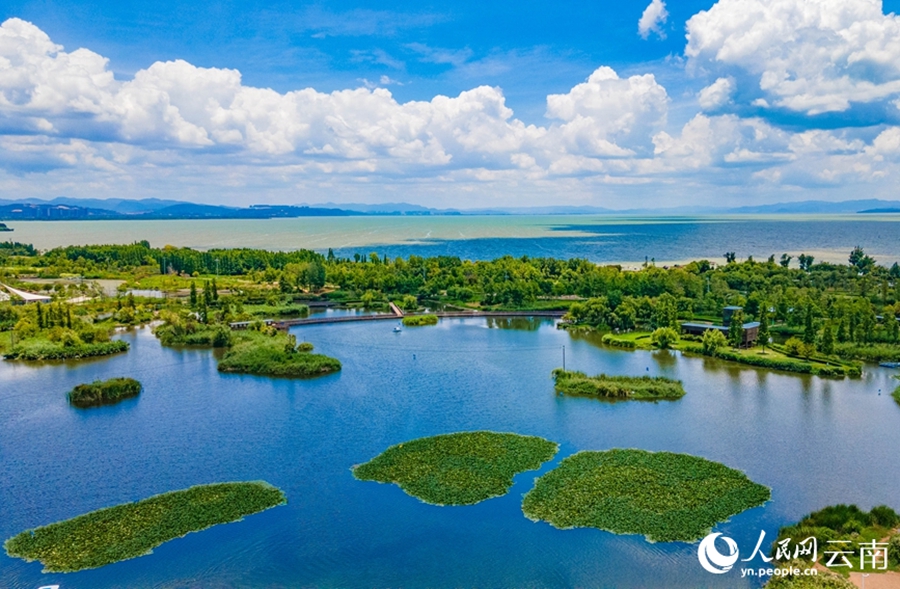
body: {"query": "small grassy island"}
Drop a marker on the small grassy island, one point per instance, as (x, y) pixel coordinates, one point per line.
(419, 320)
(650, 388)
(130, 530)
(664, 496)
(105, 392)
(850, 523)
(275, 355)
(457, 469)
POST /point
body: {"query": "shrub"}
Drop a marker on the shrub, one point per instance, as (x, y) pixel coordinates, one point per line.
(713, 340)
(792, 346)
(611, 340)
(664, 337)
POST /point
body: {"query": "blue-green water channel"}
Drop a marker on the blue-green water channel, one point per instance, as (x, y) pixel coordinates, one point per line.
(814, 441)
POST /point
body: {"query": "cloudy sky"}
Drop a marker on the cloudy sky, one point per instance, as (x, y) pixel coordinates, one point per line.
(463, 104)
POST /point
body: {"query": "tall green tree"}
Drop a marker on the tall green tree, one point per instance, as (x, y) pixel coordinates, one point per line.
(809, 330)
(764, 326)
(193, 295)
(826, 345)
(736, 329)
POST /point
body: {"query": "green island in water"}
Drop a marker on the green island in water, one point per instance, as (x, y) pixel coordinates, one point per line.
(419, 320)
(276, 355)
(460, 468)
(106, 392)
(665, 497)
(645, 388)
(130, 530)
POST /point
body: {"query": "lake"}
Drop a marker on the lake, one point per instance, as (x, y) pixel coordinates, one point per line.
(627, 240)
(814, 441)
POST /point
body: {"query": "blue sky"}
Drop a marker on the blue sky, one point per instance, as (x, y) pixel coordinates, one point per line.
(732, 102)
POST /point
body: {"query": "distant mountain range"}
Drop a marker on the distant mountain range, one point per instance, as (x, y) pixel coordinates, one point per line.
(65, 208)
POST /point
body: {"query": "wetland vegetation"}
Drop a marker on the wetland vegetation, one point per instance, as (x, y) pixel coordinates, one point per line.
(844, 523)
(457, 469)
(275, 354)
(649, 388)
(106, 392)
(130, 530)
(663, 496)
(419, 320)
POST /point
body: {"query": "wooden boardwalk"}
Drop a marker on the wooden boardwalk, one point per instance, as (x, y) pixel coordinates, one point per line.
(288, 323)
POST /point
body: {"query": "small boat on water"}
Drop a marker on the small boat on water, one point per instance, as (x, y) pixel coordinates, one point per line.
(890, 364)
(397, 329)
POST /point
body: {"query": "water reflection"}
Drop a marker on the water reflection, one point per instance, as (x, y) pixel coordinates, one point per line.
(520, 323)
(192, 425)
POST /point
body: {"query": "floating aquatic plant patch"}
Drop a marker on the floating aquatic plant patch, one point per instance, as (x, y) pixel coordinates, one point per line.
(130, 530)
(457, 469)
(665, 497)
(104, 392)
(617, 387)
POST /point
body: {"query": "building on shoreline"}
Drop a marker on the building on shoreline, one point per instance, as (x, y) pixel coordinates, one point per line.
(751, 328)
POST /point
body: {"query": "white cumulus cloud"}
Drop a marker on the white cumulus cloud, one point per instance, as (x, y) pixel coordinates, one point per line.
(807, 56)
(652, 19)
(716, 94)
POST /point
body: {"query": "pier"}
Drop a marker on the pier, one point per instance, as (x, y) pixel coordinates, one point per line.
(396, 314)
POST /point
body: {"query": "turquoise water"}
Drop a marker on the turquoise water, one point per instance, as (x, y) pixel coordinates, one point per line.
(813, 441)
(600, 239)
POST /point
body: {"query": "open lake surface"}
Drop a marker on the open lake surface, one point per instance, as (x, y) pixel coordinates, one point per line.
(627, 240)
(814, 441)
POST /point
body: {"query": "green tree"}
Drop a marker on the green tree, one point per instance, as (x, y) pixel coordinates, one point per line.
(736, 329)
(764, 326)
(809, 330)
(193, 295)
(862, 262)
(666, 312)
(713, 339)
(806, 262)
(827, 341)
(785, 260)
(207, 295)
(664, 337)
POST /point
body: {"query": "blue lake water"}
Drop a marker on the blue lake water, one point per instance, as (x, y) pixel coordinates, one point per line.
(813, 441)
(608, 239)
